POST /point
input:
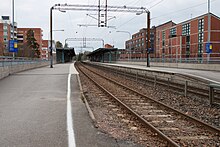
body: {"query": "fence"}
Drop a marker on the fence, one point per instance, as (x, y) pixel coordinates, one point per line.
(173, 58)
(10, 61)
(10, 65)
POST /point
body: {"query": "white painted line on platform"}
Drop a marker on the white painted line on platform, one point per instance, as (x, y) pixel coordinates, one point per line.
(71, 136)
(73, 69)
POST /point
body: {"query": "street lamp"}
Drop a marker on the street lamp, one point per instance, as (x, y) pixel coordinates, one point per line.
(129, 47)
(51, 35)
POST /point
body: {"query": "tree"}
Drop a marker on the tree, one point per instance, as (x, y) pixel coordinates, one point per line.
(2, 48)
(59, 44)
(79, 57)
(32, 45)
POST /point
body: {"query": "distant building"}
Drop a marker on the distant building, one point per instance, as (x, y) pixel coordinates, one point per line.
(161, 37)
(137, 46)
(45, 49)
(22, 37)
(104, 55)
(108, 46)
(6, 34)
(188, 39)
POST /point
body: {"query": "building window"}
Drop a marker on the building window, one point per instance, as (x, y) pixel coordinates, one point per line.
(163, 43)
(163, 35)
(172, 31)
(200, 37)
(200, 51)
(5, 27)
(186, 29)
(5, 33)
(201, 25)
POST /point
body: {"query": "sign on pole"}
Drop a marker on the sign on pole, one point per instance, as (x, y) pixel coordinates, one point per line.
(13, 46)
(208, 48)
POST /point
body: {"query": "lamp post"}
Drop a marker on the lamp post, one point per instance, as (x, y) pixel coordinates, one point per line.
(129, 42)
(51, 35)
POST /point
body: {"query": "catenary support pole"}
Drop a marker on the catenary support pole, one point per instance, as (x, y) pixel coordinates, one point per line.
(148, 38)
(51, 38)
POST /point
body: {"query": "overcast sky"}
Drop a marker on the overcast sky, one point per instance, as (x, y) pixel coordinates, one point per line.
(35, 13)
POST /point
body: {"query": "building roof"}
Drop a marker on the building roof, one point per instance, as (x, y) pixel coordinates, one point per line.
(166, 23)
(199, 17)
(70, 50)
(189, 19)
(102, 50)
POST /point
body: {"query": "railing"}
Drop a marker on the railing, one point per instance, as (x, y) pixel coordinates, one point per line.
(172, 58)
(10, 61)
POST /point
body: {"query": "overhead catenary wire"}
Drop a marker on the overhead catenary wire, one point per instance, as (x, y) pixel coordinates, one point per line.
(163, 14)
(174, 12)
(156, 4)
(160, 16)
(136, 16)
(119, 14)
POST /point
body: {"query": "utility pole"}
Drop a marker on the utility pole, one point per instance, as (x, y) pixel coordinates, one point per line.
(209, 22)
(13, 26)
(148, 38)
(106, 6)
(51, 38)
(99, 13)
(209, 29)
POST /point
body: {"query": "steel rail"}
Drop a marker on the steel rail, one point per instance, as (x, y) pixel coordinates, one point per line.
(162, 135)
(210, 127)
(191, 89)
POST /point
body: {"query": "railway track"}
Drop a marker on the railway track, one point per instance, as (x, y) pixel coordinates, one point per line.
(201, 91)
(176, 128)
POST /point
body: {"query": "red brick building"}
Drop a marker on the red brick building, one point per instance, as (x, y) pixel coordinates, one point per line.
(22, 37)
(4, 37)
(6, 32)
(44, 51)
(188, 39)
(136, 47)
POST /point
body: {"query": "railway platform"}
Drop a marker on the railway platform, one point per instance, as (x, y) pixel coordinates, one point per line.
(43, 107)
(212, 76)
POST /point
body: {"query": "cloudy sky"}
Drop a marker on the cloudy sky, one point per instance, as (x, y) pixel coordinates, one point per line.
(35, 13)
